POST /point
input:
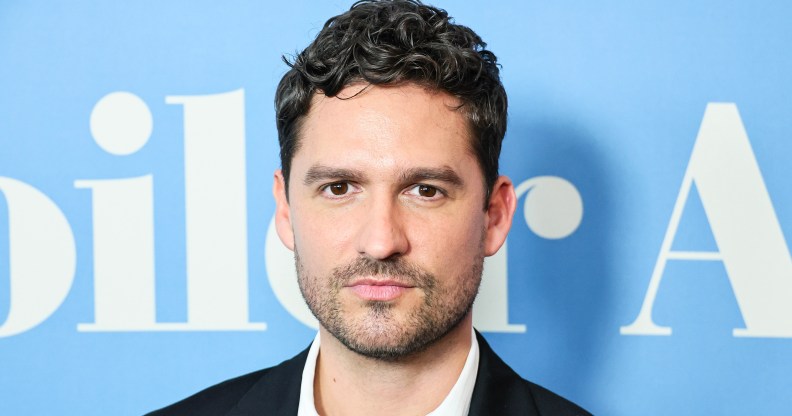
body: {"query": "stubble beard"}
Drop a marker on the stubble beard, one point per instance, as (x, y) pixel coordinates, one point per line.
(380, 334)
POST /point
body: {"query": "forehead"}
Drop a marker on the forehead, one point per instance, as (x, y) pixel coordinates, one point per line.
(385, 125)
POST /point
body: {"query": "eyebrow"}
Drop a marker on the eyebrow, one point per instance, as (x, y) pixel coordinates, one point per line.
(319, 173)
(443, 174)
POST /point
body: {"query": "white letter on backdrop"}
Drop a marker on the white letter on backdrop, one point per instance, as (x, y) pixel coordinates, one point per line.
(42, 256)
(744, 225)
(214, 159)
(216, 210)
(123, 240)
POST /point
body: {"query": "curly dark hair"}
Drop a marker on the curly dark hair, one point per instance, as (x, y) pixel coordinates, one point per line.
(392, 42)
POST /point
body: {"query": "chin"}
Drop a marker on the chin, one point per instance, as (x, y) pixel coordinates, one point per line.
(379, 334)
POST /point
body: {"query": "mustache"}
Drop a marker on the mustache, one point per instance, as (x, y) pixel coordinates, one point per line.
(396, 269)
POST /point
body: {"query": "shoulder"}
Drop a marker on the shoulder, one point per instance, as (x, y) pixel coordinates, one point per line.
(268, 389)
(215, 400)
(549, 403)
(500, 390)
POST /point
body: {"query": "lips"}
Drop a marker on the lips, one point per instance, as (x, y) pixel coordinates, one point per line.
(379, 290)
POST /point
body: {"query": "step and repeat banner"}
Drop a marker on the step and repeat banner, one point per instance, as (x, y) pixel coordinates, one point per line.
(647, 271)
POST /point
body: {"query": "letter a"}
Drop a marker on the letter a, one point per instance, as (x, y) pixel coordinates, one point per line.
(744, 225)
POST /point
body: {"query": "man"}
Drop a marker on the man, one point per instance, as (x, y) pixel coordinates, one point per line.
(390, 126)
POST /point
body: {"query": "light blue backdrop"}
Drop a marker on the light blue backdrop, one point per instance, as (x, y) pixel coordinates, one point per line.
(609, 96)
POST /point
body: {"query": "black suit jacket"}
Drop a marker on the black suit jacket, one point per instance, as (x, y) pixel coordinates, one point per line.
(499, 391)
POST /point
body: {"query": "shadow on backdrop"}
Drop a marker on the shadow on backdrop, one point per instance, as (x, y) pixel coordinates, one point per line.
(561, 289)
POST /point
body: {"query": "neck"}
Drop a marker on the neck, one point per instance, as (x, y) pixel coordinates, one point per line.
(347, 383)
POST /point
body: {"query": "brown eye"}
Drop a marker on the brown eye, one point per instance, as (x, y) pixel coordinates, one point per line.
(427, 191)
(339, 189)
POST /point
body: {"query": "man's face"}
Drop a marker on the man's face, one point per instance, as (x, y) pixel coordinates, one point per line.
(385, 217)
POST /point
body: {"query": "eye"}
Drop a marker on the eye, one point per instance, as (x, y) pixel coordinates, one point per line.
(426, 192)
(337, 189)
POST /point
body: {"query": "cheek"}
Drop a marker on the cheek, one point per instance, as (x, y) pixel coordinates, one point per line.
(322, 238)
(449, 243)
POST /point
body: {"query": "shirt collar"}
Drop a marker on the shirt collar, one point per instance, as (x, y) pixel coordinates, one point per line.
(456, 403)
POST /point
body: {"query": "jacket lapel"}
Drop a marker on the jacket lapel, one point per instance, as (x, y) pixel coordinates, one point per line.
(498, 389)
(277, 392)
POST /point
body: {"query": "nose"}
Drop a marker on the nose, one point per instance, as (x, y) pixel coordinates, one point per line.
(382, 234)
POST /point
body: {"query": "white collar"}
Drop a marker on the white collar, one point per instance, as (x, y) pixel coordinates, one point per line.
(456, 403)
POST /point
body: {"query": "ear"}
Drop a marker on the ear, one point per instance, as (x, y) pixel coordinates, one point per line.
(500, 212)
(283, 223)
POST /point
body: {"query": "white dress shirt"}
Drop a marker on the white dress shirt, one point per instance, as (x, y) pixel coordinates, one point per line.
(456, 403)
